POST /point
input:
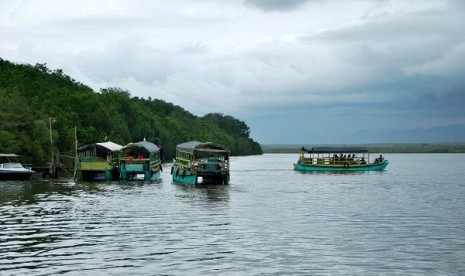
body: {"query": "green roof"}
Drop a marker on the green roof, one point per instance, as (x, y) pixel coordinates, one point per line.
(192, 146)
(336, 150)
(150, 147)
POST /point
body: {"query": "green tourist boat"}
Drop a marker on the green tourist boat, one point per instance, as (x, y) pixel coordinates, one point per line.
(98, 161)
(201, 162)
(140, 161)
(338, 159)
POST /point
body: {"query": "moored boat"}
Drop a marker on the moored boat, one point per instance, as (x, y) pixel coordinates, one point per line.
(201, 162)
(12, 169)
(140, 160)
(98, 161)
(338, 159)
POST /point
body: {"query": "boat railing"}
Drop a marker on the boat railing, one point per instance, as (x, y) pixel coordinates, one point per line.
(185, 164)
(212, 166)
(95, 159)
(204, 165)
(333, 161)
(138, 161)
(132, 159)
(89, 159)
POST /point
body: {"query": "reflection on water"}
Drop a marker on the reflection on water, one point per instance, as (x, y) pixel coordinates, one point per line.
(47, 225)
(406, 220)
(207, 192)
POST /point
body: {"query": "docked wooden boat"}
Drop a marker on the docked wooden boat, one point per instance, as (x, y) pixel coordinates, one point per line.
(338, 159)
(98, 161)
(201, 162)
(12, 169)
(141, 161)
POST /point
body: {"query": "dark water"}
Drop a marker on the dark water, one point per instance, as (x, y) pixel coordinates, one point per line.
(407, 220)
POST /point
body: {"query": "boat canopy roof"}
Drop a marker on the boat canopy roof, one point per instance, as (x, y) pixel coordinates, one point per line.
(336, 150)
(105, 147)
(150, 147)
(8, 155)
(192, 146)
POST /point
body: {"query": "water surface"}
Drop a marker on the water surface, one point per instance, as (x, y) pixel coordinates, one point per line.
(270, 220)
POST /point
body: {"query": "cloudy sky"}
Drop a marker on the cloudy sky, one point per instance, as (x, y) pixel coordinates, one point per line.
(296, 71)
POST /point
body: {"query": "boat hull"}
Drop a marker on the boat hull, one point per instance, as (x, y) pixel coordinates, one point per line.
(92, 169)
(144, 175)
(195, 177)
(11, 169)
(94, 175)
(17, 175)
(186, 179)
(348, 168)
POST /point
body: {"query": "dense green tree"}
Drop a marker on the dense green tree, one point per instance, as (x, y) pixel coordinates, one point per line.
(228, 123)
(35, 100)
(242, 144)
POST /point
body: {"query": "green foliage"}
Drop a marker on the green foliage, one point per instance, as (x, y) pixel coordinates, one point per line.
(242, 144)
(35, 100)
(228, 123)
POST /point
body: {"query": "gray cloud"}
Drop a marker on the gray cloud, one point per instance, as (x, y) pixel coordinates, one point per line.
(332, 66)
(276, 5)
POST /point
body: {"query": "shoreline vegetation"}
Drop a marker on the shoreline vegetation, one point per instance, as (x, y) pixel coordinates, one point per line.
(376, 148)
(45, 112)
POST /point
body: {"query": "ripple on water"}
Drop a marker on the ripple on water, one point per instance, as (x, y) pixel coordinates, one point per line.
(407, 220)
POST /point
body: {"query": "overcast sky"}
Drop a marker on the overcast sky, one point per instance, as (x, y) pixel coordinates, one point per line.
(295, 71)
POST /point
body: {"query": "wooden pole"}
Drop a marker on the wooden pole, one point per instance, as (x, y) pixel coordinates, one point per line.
(52, 160)
(75, 153)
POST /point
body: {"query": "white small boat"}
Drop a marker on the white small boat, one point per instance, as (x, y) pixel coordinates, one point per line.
(11, 169)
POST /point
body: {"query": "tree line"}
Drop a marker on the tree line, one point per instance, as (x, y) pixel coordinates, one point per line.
(40, 109)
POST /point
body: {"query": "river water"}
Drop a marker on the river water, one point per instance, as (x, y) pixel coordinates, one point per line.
(270, 220)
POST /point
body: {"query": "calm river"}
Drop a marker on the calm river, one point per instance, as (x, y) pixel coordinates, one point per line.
(270, 220)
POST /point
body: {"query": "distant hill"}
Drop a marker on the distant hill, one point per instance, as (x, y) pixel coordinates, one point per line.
(440, 134)
(378, 148)
(439, 139)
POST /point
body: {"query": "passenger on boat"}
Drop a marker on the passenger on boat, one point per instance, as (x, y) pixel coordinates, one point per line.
(379, 159)
(349, 158)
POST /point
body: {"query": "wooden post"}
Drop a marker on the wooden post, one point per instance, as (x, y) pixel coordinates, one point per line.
(76, 160)
(52, 160)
